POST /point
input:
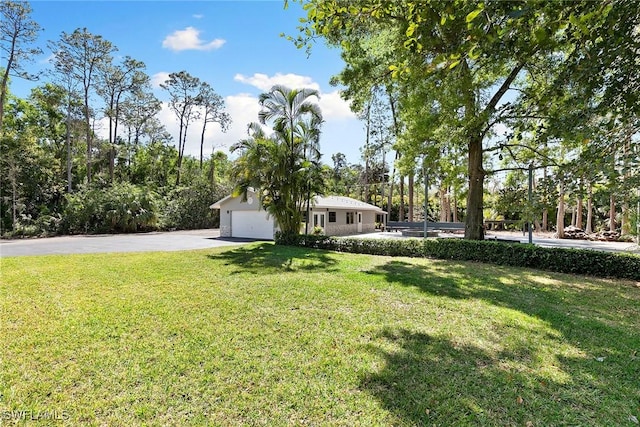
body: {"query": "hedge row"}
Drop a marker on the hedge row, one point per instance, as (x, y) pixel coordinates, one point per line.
(562, 260)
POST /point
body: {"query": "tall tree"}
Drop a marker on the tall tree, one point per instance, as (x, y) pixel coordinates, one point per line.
(115, 81)
(17, 32)
(212, 106)
(138, 111)
(472, 54)
(84, 53)
(183, 89)
(280, 167)
(62, 72)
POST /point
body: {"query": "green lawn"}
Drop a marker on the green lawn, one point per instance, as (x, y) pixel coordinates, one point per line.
(267, 335)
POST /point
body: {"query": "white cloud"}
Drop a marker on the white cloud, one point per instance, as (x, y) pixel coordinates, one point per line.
(334, 107)
(331, 104)
(243, 109)
(341, 130)
(265, 83)
(159, 78)
(198, 16)
(48, 60)
(189, 39)
(101, 128)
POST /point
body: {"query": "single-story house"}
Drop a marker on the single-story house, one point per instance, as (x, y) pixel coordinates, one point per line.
(336, 215)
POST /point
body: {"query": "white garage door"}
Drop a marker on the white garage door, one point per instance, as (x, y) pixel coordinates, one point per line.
(251, 224)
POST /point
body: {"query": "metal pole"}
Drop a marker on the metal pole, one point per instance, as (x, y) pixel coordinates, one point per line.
(530, 207)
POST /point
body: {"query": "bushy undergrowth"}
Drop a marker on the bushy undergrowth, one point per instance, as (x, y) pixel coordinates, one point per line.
(562, 260)
(126, 208)
(188, 207)
(121, 208)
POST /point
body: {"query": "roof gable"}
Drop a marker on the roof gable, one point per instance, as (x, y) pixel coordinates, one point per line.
(322, 202)
(219, 203)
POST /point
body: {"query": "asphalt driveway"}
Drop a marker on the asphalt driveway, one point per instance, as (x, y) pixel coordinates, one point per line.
(203, 239)
(144, 242)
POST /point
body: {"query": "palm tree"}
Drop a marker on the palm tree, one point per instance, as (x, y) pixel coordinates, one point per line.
(280, 167)
(309, 133)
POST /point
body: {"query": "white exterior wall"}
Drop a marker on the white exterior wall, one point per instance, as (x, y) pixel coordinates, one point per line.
(234, 204)
(338, 228)
(341, 228)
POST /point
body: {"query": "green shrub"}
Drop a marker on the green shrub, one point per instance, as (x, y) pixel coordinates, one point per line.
(187, 208)
(44, 225)
(562, 260)
(120, 208)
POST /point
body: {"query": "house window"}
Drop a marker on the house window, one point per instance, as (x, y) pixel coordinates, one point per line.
(332, 217)
(350, 218)
(318, 219)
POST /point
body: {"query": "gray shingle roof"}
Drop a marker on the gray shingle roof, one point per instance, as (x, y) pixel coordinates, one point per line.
(342, 202)
(326, 202)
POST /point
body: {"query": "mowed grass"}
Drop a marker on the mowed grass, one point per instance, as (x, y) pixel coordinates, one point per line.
(268, 335)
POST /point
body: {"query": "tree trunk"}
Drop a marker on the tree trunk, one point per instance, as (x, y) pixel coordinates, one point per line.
(589, 226)
(447, 198)
(5, 79)
(625, 224)
(443, 210)
(560, 215)
(401, 207)
(396, 131)
(183, 131)
(204, 127)
(111, 139)
(545, 212)
(367, 193)
(115, 130)
(455, 207)
(112, 162)
(391, 182)
(68, 143)
(88, 135)
(441, 215)
(411, 178)
(474, 221)
(579, 213)
(14, 189)
(573, 216)
(213, 169)
(612, 213)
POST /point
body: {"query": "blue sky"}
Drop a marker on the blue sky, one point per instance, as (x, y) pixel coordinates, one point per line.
(233, 45)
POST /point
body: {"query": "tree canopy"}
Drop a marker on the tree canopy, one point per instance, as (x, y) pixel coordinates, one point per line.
(282, 168)
(456, 65)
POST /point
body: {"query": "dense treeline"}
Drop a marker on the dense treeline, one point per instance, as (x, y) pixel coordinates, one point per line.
(474, 89)
(463, 100)
(60, 176)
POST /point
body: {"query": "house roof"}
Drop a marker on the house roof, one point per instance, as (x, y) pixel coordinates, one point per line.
(342, 202)
(218, 204)
(323, 202)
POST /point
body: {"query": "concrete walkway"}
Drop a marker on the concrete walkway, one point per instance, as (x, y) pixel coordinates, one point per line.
(143, 242)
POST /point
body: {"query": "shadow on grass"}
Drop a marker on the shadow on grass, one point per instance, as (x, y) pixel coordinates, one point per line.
(432, 380)
(267, 258)
(429, 380)
(584, 313)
